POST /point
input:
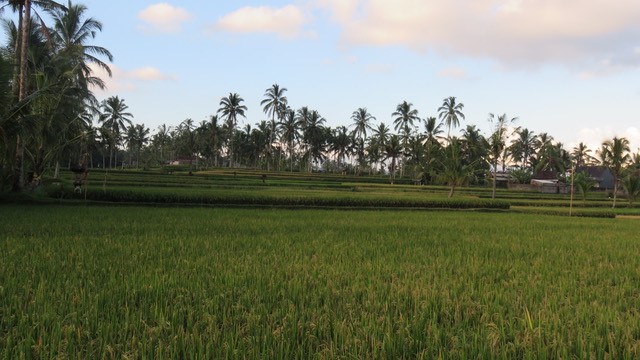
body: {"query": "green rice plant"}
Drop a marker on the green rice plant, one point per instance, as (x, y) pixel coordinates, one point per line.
(140, 282)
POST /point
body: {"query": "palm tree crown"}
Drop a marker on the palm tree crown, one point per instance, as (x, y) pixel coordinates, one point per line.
(405, 116)
(615, 154)
(231, 108)
(451, 113)
(274, 102)
(361, 122)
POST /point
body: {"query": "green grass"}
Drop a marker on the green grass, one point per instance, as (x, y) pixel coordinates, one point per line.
(110, 282)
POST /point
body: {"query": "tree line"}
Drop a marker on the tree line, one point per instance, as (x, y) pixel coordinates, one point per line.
(50, 118)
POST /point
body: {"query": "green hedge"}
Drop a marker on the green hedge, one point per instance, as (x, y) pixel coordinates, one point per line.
(253, 198)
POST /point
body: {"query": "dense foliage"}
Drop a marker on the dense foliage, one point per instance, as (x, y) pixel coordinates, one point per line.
(50, 119)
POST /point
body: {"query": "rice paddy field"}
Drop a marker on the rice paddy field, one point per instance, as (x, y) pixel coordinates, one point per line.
(270, 283)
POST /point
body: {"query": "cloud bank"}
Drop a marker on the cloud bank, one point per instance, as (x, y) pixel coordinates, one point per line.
(286, 22)
(597, 34)
(127, 80)
(163, 18)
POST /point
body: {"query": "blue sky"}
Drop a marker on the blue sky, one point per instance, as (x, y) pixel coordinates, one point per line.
(569, 68)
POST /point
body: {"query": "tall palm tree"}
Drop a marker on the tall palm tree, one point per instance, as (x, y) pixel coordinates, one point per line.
(274, 105)
(473, 147)
(341, 143)
(451, 112)
(72, 31)
(580, 155)
(523, 146)
(361, 124)
(497, 143)
(616, 155)
(393, 150)
(432, 131)
(215, 137)
(8, 129)
(454, 170)
(290, 133)
(161, 140)
(378, 142)
(405, 116)
(115, 117)
(187, 139)
(313, 135)
(553, 157)
(24, 10)
(231, 108)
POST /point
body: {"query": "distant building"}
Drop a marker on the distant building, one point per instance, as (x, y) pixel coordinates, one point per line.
(545, 175)
(547, 182)
(601, 174)
(502, 178)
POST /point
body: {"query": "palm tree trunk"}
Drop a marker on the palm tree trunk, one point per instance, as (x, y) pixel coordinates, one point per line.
(615, 192)
(495, 170)
(453, 187)
(392, 175)
(18, 166)
(291, 156)
(111, 156)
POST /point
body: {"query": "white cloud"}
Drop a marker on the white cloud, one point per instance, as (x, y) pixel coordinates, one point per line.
(521, 33)
(149, 74)
(163, 18)
(341, 10)
(127, 81)
(287, 21)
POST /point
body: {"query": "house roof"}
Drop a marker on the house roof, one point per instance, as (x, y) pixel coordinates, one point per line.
(597, 172)
(545, 175)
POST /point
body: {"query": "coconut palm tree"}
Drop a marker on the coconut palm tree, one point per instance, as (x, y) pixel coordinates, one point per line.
(451, 112)
(497, 143)
(523, 146)
(137, 137)
(115, 117)
(432, 131)
(72, 31)
(378, 142)
(405, 116)
(454, 171)
(341, 143)
(274, 105)
(161, 139)
(631, 183)
(231, 108)
(615, 156)
(393, 150)
(214, 134)
(290, 133)
(580, 155)
(473, 147)
(24, 8)
(583, 182)
(313, 136)
(361, 124)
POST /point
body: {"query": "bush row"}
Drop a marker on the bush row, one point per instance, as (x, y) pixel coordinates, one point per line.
(565, 212)
(242, 198)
